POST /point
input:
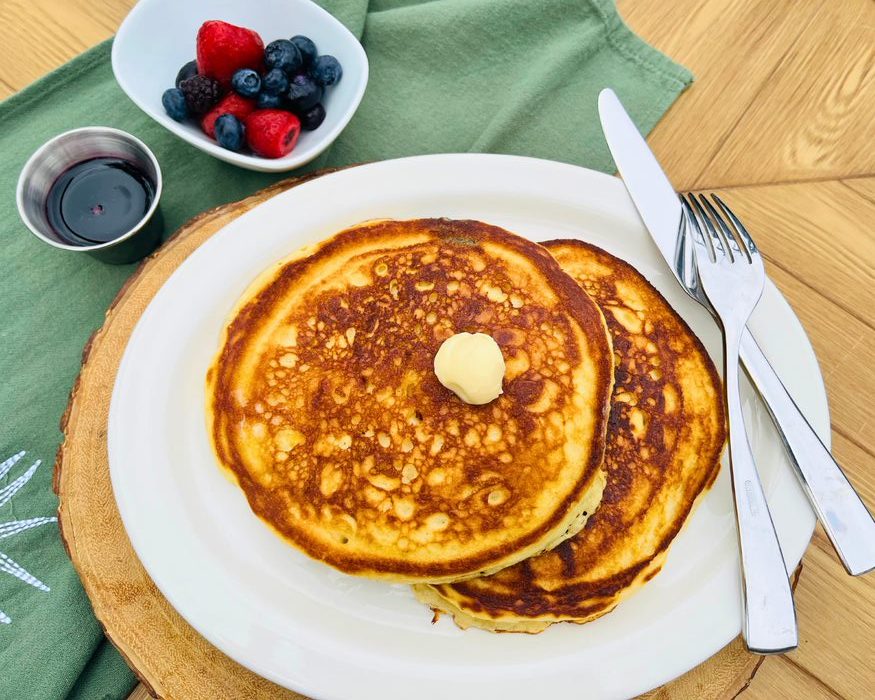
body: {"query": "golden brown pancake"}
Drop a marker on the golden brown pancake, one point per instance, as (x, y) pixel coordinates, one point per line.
(665, 437)
(323, 401)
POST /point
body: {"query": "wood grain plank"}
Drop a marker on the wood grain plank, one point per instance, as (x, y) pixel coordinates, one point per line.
(5, 89)
(37, 36)
(858, 464)
(781, 679)
(819, 232)
(815, 115)
(844, 346)
(836, 623)
(734, 48)
(865, 187)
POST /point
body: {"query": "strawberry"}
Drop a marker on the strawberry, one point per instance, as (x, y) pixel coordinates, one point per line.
(231, 103)
(223, 49)
(272, 133)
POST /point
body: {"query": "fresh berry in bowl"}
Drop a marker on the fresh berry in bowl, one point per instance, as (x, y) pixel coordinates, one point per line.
(189, 70)
(275, 82)
(224, 48)
(267, 101)
(312, 118)
(246, 82)
(272, 133)
(282, 54)
(230, 132)
(326, 71)
(201, 93)
(174, 104)
(246, 63)
(307, 48)
(303, 93)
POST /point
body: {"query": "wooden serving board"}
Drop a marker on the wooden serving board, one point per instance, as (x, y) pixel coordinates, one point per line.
(171, 659)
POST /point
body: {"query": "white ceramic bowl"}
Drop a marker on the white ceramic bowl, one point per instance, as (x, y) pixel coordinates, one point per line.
(158, 37)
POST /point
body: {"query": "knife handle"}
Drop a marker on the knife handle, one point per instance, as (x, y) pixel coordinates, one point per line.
(841, 511)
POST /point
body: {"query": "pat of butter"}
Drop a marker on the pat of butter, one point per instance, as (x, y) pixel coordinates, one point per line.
(471, 366)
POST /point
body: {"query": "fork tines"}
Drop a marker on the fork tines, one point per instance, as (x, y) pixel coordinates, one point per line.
(721, 236)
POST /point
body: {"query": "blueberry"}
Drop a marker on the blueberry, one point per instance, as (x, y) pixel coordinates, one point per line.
(274, 82)
(189, 70)
(246, 82)
(268, 101)
(303, 94)
(174, 104)
(230, 132)
(313, 117)
(283, 54)
(326, 71)
(307, 48)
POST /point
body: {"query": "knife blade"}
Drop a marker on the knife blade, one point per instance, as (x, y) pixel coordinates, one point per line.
(651, 191)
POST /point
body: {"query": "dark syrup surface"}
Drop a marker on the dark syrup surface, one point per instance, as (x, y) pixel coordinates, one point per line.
(98, 200)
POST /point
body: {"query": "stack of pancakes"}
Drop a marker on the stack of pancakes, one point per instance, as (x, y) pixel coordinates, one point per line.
(550, 503)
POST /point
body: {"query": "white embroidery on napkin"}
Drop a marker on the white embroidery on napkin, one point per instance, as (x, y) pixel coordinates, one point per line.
(16, 527)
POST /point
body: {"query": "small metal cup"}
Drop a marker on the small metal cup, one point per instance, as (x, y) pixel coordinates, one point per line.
(63, 152)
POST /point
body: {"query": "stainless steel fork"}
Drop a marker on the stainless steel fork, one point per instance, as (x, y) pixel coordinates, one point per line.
(731, 274)
(845, 518)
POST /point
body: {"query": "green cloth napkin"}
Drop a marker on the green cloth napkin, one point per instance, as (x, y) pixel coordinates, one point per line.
(499, 76)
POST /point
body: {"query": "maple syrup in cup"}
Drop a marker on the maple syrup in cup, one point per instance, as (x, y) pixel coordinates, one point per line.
(93, 190)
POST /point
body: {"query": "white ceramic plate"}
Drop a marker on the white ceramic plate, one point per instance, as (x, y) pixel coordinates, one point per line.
(312, 629)
(158, 37)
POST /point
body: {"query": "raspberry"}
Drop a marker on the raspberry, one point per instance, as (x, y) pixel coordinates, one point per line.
(272, 133)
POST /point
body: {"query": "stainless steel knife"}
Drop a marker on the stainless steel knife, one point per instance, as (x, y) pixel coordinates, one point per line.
(848, 524)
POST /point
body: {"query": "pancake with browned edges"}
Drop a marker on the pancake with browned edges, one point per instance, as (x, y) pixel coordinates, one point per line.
(665, 437)
(323, 401)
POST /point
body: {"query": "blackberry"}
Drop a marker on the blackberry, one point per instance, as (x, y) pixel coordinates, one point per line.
(201, 93)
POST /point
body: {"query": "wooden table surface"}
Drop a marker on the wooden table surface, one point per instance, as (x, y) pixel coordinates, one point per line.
(781, 119)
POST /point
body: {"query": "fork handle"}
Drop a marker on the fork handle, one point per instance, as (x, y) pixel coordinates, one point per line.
(769, 618)
(841, 511)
